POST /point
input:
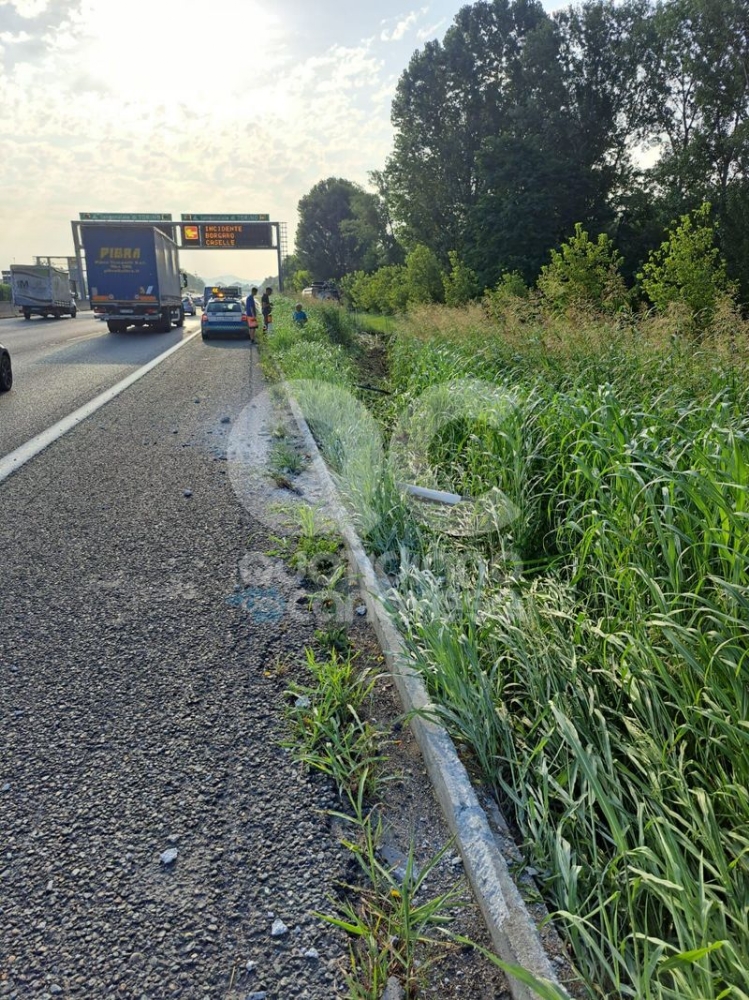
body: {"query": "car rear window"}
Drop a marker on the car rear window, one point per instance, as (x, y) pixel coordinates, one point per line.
(224, 307)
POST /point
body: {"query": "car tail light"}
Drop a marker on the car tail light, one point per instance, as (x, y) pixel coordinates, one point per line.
(204, 318)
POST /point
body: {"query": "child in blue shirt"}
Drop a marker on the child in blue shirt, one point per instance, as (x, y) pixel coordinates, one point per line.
(300, 316)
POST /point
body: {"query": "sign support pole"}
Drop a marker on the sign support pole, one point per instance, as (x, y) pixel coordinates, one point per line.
(277, 227)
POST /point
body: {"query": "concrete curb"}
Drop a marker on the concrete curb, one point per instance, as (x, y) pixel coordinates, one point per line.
(511, 927)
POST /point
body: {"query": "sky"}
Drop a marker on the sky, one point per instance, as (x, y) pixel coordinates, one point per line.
(187, 106)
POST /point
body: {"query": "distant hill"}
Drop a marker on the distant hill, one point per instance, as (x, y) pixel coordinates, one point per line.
(233, 279)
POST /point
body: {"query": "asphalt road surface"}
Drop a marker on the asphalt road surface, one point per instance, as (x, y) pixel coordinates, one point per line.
(58, 365)
(153, 830)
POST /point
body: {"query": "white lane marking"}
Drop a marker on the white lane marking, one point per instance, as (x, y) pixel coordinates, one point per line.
(15, 459)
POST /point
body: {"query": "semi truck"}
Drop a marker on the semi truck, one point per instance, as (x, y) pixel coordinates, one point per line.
(40, 290)
(134, 277)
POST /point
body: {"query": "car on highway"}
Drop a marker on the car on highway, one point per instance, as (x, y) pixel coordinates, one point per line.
(224, 316)
(6, 370)
(188, 305)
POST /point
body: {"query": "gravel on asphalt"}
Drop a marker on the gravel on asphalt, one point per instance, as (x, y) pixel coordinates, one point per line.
(156, 838)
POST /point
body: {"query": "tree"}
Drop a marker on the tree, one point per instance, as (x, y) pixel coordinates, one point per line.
(371, 230)
(452, 97)
(688, 268)
(606, 59)
(423, 276)
(339, 229)
(700, 94)
(734, 235)
(301, 279)
(460, 283)
(584, 274)
(294, 276)
(517, 126)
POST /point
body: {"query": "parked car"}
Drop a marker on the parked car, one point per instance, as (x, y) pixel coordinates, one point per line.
(224, 316)
(188, 305)
(6, 370)
(323, 290)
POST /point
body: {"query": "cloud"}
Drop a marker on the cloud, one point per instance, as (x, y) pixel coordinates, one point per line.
(433, 30)
(85, 130)
(402, 26)
(30, 30)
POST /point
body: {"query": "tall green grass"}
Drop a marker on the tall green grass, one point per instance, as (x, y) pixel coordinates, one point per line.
(594, 652)
(607, 696)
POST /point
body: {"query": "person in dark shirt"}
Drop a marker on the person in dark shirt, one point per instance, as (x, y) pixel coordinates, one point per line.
(265, 307)
(251, 310)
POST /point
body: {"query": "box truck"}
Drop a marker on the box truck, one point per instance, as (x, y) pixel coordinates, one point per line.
(133, 276)
(40, 290)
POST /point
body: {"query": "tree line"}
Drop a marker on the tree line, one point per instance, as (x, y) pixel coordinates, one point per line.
(520, 126)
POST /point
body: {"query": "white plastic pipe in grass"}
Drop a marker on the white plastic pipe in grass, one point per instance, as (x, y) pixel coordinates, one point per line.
(435, 496)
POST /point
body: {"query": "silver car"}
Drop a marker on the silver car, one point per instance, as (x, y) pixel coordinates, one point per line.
(225, 316)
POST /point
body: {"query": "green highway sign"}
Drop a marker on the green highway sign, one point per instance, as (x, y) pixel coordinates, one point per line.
(125, 216)
(192, 217)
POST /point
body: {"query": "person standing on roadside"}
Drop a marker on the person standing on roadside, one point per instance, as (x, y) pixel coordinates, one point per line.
(265, 307)
(251, 310)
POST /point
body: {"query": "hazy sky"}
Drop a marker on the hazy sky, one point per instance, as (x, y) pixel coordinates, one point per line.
(186, 106)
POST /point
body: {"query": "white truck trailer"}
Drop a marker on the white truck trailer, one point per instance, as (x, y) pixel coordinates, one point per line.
(40, 290)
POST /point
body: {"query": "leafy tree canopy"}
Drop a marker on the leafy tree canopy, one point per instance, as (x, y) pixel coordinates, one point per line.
(342, 228)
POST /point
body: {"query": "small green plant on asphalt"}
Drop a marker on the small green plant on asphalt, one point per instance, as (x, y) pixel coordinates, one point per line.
(311, 547)
(328, 731)
(317, 554)
(391, 919)
(333, 639)
(285, 461)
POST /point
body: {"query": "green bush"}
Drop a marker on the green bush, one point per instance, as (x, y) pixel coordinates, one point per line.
(460, 284)
(584, 274)
(383, 291)
(688, 269)
(509, 297)
(424, 276)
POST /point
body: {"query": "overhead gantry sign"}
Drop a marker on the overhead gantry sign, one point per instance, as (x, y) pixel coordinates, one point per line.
(196, 232)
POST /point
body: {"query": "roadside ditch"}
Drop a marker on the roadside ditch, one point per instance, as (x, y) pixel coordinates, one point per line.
(425, 783)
